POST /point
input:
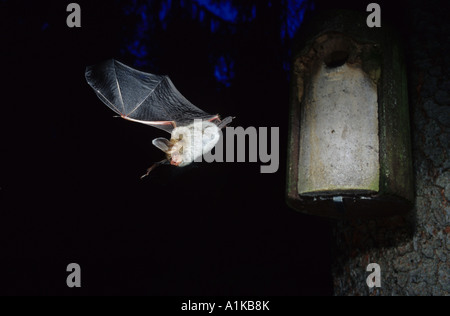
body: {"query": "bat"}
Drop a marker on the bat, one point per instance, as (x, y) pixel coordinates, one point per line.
(153, 100)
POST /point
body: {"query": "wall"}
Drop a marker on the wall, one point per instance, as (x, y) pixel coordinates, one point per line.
(413, 252)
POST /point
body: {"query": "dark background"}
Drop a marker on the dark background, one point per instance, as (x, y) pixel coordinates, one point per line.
(70, 187)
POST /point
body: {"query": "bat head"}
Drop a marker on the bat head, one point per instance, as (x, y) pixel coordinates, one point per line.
(175, 153)
(172, 148)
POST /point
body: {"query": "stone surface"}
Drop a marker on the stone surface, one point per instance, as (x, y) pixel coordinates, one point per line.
(442, 97)
(413, 252)
(339, 133)
(444, 277)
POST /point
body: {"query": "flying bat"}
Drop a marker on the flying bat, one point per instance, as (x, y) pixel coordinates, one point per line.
(153, 100)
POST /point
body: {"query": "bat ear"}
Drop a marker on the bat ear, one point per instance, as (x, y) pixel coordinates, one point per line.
(161, 143)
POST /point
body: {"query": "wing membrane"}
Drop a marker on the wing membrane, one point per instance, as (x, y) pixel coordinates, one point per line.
(142, 97)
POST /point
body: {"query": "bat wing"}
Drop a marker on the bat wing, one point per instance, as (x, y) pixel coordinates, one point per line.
(142, 97)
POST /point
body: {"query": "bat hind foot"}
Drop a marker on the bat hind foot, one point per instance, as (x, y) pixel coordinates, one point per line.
(148, 171)
(155, 165)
